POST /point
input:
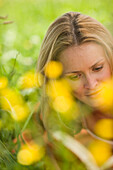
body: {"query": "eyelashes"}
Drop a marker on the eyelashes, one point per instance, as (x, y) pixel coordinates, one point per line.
(77, 76)
(74, 77)
(98, 68)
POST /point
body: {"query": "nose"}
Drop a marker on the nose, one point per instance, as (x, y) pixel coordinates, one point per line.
(90, 82)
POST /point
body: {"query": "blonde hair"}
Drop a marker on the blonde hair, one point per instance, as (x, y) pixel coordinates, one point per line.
(70, 29)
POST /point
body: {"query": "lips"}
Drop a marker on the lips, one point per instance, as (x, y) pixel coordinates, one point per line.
(93, 93)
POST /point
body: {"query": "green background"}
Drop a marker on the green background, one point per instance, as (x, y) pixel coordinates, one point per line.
(21, 40)
(20, 43)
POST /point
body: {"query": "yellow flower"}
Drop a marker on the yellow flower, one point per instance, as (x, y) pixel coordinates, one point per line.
(55, 88)
(104, 128)
(62, 103)
(66, 106)
(53, 69)
(30, 80)
(10, 98)
(3, 82)
(30, 154)
(20, 112)
(105, 97)
(101, 151)
(61, 99)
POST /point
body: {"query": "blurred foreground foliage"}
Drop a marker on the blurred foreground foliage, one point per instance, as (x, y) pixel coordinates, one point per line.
(23, 24)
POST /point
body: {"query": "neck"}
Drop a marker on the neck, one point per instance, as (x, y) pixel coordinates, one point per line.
(101, 115)
(90, 121)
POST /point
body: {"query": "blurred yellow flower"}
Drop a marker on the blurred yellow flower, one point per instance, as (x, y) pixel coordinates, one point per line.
(30, 80)
(104, 128)
(55, 88)
(61, 98)
(30, 154)
(62, 103)
(101, 151)
(20, 112)
(53, 69)
(9, 98)
(66, 106)
(3, 82)
(105, 97)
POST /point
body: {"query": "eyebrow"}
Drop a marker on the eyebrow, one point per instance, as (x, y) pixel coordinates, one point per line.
(89, 68)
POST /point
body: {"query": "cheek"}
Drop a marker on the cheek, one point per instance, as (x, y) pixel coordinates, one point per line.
(79, 93)
(107, 72)
(77, 88)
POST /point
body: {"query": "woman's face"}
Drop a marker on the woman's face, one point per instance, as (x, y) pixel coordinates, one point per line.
(85, 67)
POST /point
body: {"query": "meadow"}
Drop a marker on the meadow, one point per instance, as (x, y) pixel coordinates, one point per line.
(23, 24)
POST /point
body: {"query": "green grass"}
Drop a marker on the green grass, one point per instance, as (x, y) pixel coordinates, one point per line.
(20, 43)
(31, 19)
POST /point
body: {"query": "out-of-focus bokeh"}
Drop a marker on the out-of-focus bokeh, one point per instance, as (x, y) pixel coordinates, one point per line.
(24, 141)
(21, 39)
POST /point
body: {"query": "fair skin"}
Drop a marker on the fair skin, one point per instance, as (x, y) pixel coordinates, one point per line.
(85, 67)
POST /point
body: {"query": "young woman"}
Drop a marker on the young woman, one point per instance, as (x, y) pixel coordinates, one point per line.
(85, 49)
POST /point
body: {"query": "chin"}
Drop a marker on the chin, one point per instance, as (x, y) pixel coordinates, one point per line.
(91, 102)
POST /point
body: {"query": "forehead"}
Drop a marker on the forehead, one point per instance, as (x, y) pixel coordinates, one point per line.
(81, 57)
